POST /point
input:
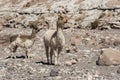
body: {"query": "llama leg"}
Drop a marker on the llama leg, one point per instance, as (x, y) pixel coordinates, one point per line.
(13, 47)
(14, 50)
(8, 50)
(26, 53)
(47, 53)
(59, 51)
(51, 55)
(56, 56)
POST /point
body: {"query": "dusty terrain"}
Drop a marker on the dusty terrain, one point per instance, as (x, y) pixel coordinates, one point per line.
(92, 27)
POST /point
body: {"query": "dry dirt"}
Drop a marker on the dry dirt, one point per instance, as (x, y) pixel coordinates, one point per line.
(85, 49)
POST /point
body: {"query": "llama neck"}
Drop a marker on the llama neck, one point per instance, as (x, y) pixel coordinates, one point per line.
(59, 30)
(33, 34)
(59, 35)
(52, 25)
(59, 27)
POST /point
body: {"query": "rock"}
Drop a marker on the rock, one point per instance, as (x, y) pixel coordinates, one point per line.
(104, 28)
(89, 4)
(71, 62)
(118, 71)
(116, 42)
(75, 49)
(73, 43)
(75, 40)
(68, 50)
(107, 41)
(74, 61)
(68, 63)
(115, 27)
(109, 56)
(54, 72)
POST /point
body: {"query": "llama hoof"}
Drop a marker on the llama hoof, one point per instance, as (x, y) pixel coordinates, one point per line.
(52, 64)
(48, 63)
(57, 64)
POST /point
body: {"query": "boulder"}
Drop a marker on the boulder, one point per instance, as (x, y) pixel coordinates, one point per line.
(71, 62)
(109, 56)
(54, 72)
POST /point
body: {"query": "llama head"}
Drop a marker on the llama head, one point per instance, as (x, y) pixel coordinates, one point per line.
(34, 25)
(62, 19)
(49, 19)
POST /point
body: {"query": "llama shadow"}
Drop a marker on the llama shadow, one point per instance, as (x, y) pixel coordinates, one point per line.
(17, 57)
(44, 63)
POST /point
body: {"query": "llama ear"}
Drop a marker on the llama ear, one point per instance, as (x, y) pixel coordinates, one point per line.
(60, 16)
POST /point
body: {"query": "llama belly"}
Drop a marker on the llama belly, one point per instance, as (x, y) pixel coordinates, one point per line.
(48, 35)
(60, 43)
(26, 44)
(57, 43)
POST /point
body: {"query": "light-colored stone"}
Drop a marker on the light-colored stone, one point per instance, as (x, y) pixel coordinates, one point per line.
(68, 63)
(71, 62)
(109, 56)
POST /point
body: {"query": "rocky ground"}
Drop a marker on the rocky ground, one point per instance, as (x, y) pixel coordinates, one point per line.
(92, 47)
